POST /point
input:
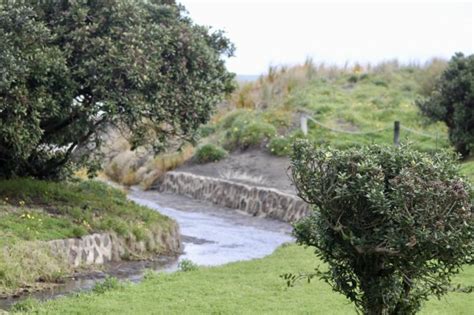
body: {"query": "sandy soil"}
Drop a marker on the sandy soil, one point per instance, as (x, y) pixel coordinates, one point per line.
(251, 166)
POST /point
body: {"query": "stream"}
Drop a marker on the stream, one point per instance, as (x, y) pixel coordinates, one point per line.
(211, 236)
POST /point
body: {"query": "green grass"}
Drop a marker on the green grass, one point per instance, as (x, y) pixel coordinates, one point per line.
(33, 211)
(345, 101)
(467, 168)
(209, 153)
(365, 106)
(252, 287)
(41, 210)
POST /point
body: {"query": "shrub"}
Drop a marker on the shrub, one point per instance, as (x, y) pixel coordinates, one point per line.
(353, 78)
(79, 231)
(209, 153)
(249, 133)
(186, 265)
(229, 119)
(452, 102)
(280, 146)
(393, 224)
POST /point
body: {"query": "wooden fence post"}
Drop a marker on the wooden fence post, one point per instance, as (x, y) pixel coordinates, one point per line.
(396, 133)
(304, 123)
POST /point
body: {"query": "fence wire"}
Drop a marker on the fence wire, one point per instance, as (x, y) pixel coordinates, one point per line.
(420, 133)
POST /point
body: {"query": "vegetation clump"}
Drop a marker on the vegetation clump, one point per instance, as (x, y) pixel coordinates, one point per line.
(280, 146)
(186, 265)
(452, 102)
(209, 153)
(71, 71)
(247, 133)
(393, 224)
(109, 283)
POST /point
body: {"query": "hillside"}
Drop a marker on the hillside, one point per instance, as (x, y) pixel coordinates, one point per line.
(348, 106)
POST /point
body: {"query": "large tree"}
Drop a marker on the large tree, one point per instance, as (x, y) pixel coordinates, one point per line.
(452, 101)
(69, 70)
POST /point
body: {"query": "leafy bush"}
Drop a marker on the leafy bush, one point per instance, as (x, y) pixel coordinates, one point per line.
(280, 146)
(353, 78)
(452, 102)
(245, 133)
(209, 153)
(393, 224)
(79, 231)
(236, 115)
(186, 265)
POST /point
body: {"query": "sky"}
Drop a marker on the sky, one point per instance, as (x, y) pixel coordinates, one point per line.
(287, 32)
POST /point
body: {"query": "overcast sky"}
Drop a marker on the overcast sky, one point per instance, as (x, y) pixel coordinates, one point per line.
(286, 32)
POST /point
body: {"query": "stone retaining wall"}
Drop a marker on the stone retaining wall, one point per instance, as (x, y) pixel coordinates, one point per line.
(101, 248)
(257, 201)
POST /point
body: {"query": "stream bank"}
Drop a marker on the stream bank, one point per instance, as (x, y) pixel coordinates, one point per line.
(211, 235)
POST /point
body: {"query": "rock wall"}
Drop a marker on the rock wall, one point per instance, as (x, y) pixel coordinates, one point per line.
(257, 201)
(101, 248)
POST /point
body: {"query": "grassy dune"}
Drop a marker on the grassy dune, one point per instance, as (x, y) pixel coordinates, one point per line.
(252, 287)
(348, 103)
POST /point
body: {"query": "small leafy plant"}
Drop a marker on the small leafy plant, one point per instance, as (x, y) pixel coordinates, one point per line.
(209, 153)
(393, 224)
(186, 265)
(280, 146)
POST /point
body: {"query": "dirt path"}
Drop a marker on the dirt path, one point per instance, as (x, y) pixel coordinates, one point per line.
(252, 167)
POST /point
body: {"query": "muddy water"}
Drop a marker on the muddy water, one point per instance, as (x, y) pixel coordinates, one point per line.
(211, 236)
(214, 236)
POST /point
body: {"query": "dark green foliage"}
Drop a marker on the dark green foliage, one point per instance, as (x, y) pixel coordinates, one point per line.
(70, 70)
(246, 132)
(393, 224)
(353, 78)
(452, 101)
(280, 146)
(209, 153)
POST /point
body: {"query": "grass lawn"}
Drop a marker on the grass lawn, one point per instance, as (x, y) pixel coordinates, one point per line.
(32, 211)
(252, 287)
(467, 168)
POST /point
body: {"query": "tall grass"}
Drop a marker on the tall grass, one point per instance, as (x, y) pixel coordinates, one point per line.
(354, 98)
